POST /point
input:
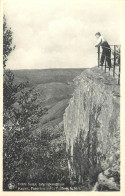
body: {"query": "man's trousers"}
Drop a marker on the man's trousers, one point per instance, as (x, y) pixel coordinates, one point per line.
(106, 53)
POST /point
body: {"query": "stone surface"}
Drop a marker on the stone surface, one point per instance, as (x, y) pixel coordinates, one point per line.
(91, 125)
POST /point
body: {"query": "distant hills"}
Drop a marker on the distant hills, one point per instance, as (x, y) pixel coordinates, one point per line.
(55, 87)
(46, 75)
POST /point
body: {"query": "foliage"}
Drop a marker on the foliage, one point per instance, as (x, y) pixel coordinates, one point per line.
(27, 157)
(19, 115)
(7, 41)
(17, 135)
(10, 88)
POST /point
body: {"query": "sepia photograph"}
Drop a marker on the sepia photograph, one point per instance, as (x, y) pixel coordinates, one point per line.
(61, 95)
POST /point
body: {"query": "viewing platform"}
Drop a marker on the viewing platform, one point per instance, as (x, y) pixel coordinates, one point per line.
(115, 61)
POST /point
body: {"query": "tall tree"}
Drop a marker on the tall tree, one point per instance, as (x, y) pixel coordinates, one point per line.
(8, 87)
(8, 47)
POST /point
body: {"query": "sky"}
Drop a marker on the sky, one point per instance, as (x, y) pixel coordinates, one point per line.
(60, 33)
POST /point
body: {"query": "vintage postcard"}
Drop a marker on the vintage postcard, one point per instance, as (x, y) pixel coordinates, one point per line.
(61, 70)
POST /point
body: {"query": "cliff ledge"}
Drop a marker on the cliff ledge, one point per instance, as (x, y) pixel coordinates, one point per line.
(92, 130)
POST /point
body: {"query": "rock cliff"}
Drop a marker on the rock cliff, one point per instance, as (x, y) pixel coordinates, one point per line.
(92, 129)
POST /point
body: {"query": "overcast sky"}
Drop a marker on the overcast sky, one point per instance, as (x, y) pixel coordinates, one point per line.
(59, 33)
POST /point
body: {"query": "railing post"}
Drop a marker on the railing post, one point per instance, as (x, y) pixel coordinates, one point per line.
(119, 68)
(101, 67)
(105, 64)
(114, 61)
(98, 55)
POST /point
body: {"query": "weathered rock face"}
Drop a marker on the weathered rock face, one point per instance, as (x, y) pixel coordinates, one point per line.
(91, 125)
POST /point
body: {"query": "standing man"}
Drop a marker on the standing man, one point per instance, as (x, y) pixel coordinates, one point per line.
(106, 50)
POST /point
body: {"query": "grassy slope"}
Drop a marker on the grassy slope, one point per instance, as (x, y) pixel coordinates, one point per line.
(55, 87)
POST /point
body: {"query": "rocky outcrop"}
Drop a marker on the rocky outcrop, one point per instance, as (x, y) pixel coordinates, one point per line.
(91, 125)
